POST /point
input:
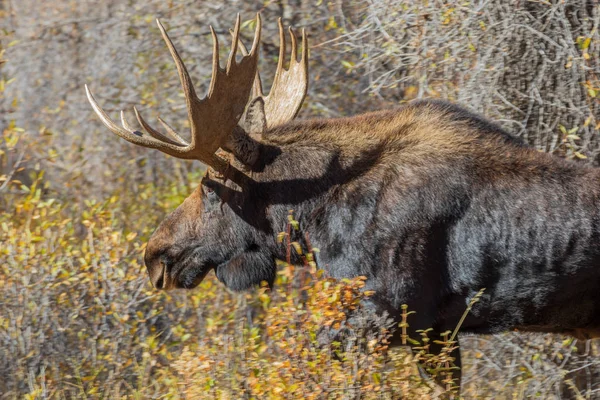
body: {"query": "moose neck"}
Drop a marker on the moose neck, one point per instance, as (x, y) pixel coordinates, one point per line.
(305, 166)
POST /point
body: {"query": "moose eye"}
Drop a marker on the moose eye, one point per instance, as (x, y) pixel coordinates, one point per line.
(208, 191)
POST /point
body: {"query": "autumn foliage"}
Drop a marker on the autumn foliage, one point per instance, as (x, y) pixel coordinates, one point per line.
(78, 316)
(81, 320)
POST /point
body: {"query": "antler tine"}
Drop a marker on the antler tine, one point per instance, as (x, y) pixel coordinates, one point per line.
(237, 42)
(294, 55)
(215, 63)
(188, 89)
(184, 76)
(282, 48)
(125, 123)
(257, 33)
(133, 136)
(257, 87)
(289, 86)
(172, 132)
(153, 132)
(234, 43)
(304, 59)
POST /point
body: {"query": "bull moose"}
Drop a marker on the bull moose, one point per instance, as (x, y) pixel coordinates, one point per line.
(429, 201)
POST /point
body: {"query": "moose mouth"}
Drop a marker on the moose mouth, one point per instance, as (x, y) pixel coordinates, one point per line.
(239, 271)
(193, 273)
(191, 277)
(185, 274)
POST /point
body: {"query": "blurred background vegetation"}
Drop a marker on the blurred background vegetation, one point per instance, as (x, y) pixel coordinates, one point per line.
(78, 317)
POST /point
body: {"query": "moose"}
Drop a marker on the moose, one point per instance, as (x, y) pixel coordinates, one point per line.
(429, 201)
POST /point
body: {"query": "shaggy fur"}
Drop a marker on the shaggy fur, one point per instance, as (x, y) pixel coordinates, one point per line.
(431, 202)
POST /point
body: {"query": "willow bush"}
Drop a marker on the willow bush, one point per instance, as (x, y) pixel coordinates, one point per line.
(80, 319)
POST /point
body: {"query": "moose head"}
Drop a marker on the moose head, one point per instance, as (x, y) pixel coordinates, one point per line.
(226, 130)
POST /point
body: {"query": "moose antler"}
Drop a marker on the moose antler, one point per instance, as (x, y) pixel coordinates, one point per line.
(289, 86)
(212, 119)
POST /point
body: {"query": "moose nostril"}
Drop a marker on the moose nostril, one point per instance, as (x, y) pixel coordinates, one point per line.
(159, 282)
(159, 275)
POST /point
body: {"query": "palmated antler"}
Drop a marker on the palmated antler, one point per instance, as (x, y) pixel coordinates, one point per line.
(213, 119)
(289, 86)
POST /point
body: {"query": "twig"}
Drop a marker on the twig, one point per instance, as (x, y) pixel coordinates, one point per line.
(14, 169)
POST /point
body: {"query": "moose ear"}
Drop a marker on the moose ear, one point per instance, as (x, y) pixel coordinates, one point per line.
(255, 122)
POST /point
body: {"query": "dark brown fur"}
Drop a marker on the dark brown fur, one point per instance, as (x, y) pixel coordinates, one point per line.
(431, 202)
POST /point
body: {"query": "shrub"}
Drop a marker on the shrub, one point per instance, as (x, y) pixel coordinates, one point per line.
(80, 319)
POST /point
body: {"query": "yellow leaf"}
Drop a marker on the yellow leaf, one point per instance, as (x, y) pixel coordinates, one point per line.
(586, 44)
